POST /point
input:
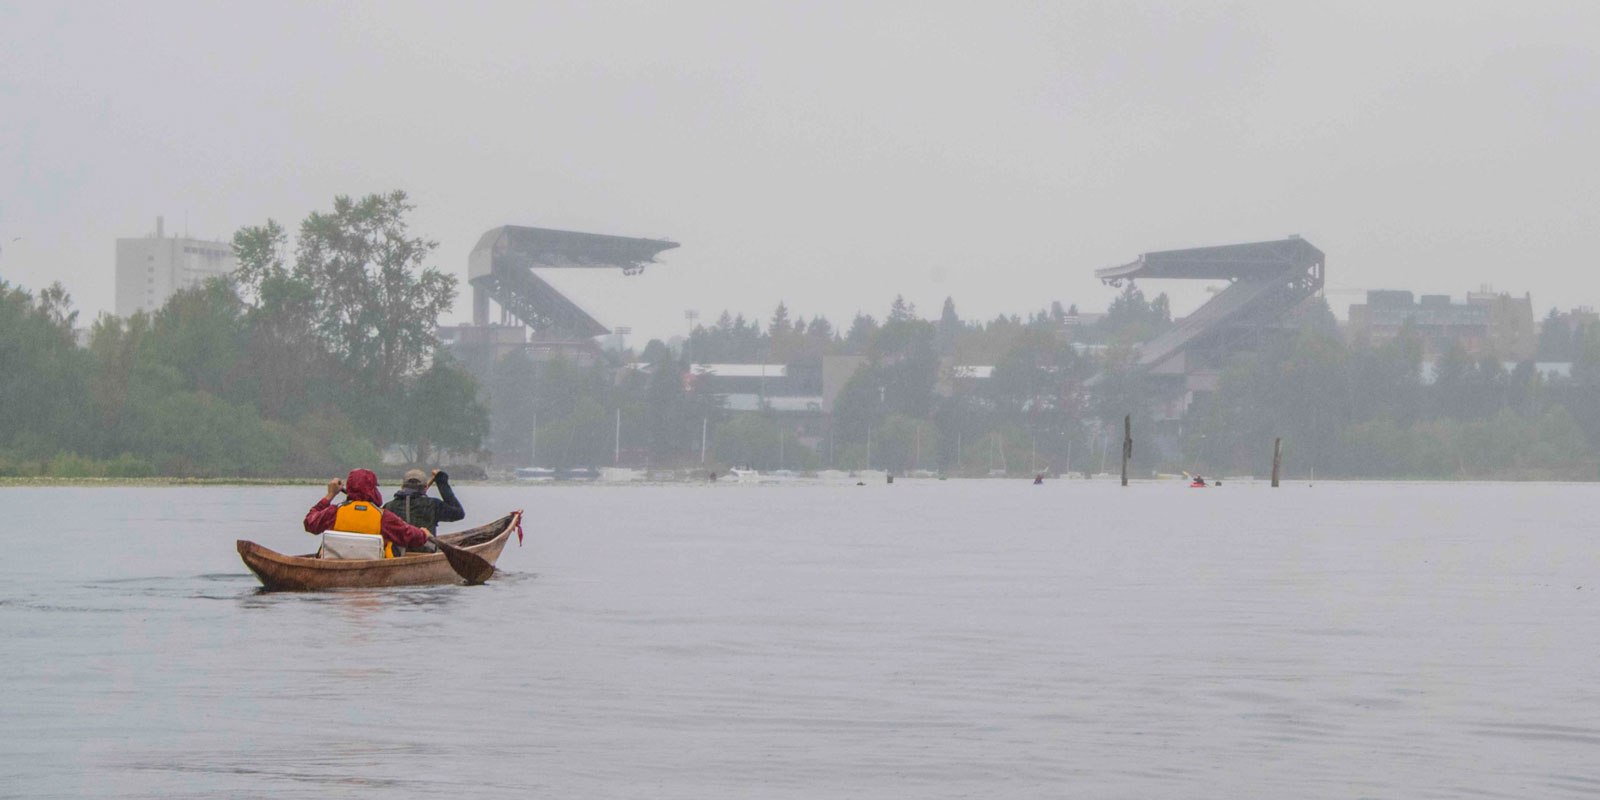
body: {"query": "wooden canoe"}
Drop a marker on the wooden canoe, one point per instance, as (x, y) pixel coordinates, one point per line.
(308, 573)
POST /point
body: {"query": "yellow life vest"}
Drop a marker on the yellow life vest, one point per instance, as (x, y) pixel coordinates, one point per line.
(360, 516)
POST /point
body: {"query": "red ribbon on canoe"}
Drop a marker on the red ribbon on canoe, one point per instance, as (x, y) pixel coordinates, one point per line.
(519, 528)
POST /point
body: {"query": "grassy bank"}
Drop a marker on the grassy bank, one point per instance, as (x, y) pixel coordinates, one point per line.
(156, 481)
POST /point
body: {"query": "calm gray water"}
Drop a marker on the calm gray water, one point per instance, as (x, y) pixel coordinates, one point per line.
(926, 639)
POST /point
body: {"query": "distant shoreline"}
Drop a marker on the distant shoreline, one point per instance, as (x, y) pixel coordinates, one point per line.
(319, 483)
(116, 482)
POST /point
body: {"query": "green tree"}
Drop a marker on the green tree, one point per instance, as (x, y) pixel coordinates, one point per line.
(1040, 386)
(578, 438)
(198, 333)
(862, 329)
(671, 416)
(1121, 390)
(1555, 338)
(903, 444)
(513, 397)
(196, 434)
(114, 346)
(1387, 379)
(950, 327)
(282, 308)
(858, 406)
(352, 321)
(760, 442)
(905, 363)
(44, 378)
(246, 375)
(780, 321)
(1453, 375)
(902, 311)
(1132, 319)
(1299, 389)
(443, 412)
(379, 303)
(820, 329)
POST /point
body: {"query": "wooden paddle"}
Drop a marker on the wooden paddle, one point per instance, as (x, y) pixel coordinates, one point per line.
(472, 568)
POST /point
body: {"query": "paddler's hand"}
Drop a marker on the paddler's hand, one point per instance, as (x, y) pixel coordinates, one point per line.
(335, 486)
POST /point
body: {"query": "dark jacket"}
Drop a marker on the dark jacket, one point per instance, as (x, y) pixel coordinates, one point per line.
(418, 509)
(363, 485)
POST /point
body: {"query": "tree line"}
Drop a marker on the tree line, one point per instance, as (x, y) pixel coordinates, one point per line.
(1057, 393)
(1376, 410)
(319, 353)
(305, 361)
(892, 413)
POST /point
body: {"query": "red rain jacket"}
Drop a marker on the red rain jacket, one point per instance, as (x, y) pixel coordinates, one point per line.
(363, 485)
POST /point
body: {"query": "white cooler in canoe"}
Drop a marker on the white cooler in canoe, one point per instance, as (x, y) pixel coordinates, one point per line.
(338, 544)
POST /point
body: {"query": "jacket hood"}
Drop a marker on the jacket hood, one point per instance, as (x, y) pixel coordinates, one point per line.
(363, 485)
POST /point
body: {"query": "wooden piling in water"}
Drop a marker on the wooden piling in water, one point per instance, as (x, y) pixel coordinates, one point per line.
(1127, 445)
(1277, 458)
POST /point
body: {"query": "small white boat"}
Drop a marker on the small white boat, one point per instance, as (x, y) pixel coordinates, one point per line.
(745, 475)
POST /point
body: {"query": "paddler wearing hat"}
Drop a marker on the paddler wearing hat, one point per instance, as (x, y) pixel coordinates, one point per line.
(413, 504)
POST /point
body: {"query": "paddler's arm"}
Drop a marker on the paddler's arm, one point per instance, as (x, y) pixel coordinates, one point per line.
(322, 515)
(398, 531)
(450, 509)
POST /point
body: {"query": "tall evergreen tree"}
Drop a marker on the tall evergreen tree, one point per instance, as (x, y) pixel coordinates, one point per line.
(780, 321)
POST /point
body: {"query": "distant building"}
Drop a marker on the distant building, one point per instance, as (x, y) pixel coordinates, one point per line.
(1576, 320)
(783, 388)
(153, 268)
(1513, 336)
(789, 395)
(962, 379)
(1582, 317)
(486, 343)
(1080, 319)
(1489, 323)
(1268, 283)
(1440, 323)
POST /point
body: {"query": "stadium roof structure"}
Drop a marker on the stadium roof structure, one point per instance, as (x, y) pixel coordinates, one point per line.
(1267, 281)
(501, 268)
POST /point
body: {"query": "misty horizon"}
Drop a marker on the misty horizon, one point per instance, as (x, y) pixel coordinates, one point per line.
(825, 158)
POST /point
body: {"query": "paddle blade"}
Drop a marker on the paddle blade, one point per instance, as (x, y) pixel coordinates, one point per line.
(472, 568)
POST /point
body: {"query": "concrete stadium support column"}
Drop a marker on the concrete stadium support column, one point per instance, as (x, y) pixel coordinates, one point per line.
(480, 306)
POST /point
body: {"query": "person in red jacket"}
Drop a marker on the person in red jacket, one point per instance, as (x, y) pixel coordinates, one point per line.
(361, 488)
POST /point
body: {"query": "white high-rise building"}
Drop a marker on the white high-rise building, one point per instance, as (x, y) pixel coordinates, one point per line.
(153, 268)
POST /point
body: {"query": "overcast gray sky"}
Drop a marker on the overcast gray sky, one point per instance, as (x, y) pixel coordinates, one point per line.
(827, 155)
